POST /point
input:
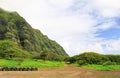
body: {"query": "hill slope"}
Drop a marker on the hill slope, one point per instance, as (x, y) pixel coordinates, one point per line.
(13, 27)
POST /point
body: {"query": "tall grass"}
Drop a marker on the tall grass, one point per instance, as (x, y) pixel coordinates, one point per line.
(40, 63)
(30, 63)
(8, 63)
(102, 68)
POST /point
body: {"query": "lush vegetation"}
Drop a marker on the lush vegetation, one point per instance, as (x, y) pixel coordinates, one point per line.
(21, 38)
(102, 67)
(18, 40)
(29, 63)
(10, 49)
(95, 60)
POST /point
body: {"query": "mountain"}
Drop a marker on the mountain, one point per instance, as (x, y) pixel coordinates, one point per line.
(13, 27)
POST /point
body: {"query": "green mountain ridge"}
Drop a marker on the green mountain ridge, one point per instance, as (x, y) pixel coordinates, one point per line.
(13, 27)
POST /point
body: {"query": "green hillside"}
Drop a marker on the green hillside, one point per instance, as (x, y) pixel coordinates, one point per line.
(14, 28)
(102, 62)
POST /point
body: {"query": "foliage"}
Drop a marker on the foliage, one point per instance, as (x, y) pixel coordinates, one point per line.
(10, 49)
(114, 58)
(43, 56)
(70, 59)
(30, 63)
(95, 58)
(109, 63)
(14, 28)
(40, 63)
(50, 56)
(8, 63)
(102, 68)
(81, 62)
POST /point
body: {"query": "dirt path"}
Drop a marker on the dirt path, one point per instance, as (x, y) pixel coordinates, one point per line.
(66, 72)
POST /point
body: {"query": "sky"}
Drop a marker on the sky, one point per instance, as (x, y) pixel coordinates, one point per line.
(77, 25)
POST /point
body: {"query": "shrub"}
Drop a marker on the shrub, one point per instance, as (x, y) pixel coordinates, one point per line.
(81, 62)
(10, 49)
(90, 57)
(71, 60)
(109, 63)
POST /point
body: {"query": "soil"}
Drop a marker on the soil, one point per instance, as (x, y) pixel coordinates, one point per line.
(65, 72)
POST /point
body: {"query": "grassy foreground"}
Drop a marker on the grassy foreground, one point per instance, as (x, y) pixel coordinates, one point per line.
(30, 63)
(102, 68)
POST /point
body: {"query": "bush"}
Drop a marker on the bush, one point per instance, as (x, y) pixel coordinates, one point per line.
(71, 60)
(95, 58)
(109, 63)
(91, 57)
(81, 62)
(114, 58)
(10, 49)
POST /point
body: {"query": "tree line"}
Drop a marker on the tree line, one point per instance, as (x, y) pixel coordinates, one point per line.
(94, 58)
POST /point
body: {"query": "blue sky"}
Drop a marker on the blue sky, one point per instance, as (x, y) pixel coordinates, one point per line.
(77, 25)
(112, 33)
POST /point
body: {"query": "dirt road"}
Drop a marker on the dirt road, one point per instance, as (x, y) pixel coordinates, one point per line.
(66, 72)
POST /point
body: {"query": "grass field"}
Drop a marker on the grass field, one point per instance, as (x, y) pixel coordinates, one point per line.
(102, 68)
(30, 63)
(49, 64)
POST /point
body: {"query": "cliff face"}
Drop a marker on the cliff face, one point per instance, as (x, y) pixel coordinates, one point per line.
(13, 27)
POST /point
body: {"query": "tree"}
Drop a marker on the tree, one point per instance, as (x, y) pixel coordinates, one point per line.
(43, 56)
(10, 49)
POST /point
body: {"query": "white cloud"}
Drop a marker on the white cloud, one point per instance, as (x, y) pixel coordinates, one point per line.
(107, 25)
(108, 8)
(83, 42)
(72, 23)
(113, 46)
(59, 4)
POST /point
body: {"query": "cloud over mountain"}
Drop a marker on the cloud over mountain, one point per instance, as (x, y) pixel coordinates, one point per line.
(78, 25)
